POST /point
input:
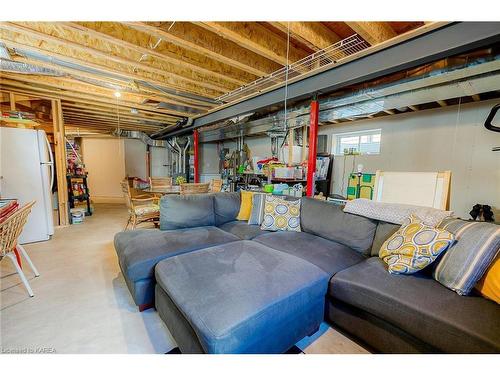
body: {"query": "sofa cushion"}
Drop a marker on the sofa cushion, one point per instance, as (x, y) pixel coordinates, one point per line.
(140, 252)
(244, 297)
(242, 229)
(421, 306)
(186, 211)
(463, 265)
(330, 256)
(226, 207)
(329, 221)
(382, 233)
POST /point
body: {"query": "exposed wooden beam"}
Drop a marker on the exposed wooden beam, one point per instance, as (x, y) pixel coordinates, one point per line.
(103, 62)
(30, 90)
(257, 39)
(442, 103)
(313, 34)
(172, 74)
(414, 108)
(60, 161)
(389, 111)
(111, 115)
(120, 34)
(12, 101)
(59, 88)
(195, 38)
(373, 32)
(122, 111)
(111, 122)
(114, 117)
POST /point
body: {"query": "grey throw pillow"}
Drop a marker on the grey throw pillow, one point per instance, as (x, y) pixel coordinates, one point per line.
(257, 212)
(464, 264)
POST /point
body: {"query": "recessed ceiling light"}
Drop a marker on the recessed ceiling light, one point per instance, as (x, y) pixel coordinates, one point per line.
(134, 111)
(118, 94)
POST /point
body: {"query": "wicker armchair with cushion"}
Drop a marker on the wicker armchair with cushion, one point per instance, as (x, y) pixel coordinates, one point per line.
(141, 208)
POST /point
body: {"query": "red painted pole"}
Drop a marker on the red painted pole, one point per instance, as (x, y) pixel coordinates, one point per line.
(195, 146)
(313, 142)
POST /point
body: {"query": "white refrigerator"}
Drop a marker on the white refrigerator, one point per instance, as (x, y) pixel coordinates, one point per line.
(27, 174)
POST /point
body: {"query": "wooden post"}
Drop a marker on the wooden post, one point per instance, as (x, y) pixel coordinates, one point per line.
(60, 161)
(12, 101)
(313, 142)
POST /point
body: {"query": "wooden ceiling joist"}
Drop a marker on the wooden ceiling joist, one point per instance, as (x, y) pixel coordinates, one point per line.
(120, 34)
(63, 35)
(78, 96)
(113, 115)
(184, 65)
(257, 39)
(373, 32)
(105, 62)
(313, 34)
(197, 39)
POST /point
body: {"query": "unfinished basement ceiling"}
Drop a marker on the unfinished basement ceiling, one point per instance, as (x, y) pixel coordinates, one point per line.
(165, 71)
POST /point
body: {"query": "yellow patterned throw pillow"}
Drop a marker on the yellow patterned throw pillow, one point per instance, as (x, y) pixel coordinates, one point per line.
(414, 246)
(280, 214)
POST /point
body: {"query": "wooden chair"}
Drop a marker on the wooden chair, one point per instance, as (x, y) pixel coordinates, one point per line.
(141, 209)
(160, 182)
(195, 188)
(10, 230)
(216, 185)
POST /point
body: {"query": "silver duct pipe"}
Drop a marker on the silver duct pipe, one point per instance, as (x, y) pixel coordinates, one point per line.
(24, 68)
(475, 78)
(140, 136)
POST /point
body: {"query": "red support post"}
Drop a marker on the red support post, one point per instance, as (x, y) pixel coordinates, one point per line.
(313, 142)
(196, 155)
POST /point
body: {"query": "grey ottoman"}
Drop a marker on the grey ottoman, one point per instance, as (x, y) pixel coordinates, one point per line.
(240, 297)
(140, 250)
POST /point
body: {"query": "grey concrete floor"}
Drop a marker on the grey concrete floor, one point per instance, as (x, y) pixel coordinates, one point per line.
(81, 302)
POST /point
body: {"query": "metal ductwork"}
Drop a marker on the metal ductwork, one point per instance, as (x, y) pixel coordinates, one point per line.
(140, 136)
(475, 78)
(10, 66)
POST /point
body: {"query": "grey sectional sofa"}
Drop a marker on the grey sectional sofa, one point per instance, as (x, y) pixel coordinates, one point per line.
(223, 286)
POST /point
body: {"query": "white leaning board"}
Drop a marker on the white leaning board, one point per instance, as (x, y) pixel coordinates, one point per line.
(428, 189)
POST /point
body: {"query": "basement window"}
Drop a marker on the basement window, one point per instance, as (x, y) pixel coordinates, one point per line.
(362, 142)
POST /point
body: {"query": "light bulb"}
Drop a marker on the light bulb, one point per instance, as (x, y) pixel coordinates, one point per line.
(117, 94)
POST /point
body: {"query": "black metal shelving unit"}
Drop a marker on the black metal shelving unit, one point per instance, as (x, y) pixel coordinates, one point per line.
(85, 197)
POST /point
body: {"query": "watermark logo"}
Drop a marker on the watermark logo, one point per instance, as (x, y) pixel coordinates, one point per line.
(28, 350)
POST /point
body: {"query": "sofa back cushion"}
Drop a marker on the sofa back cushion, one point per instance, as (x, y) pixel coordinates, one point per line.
(186, 211)
(226, 207)
(329, 221)
(382, 233)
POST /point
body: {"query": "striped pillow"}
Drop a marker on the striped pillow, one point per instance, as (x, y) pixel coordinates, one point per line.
(464, 264)
(257, 214)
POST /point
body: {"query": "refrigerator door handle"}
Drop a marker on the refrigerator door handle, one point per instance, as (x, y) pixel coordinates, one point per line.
(51, 162)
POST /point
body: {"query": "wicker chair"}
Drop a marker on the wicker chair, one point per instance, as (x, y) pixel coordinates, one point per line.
(195, 188)
(216, 185)
(160, 182)
(10, 230)
(141, 209)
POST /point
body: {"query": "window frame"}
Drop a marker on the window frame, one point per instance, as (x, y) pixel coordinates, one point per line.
(358, 133)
